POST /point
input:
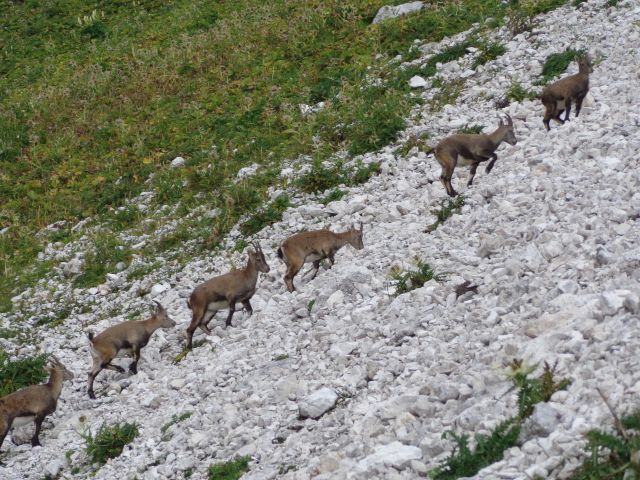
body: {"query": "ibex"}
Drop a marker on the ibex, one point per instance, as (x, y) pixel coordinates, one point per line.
(33, 403)
(130, 337)
(314, 247)
(557, 97)
(471, 149)
(225, 291)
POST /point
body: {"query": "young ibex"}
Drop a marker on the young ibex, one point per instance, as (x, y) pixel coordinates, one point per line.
(557, 97)
(225, 291)
(127, 336)
(33, 403)
(314, 247)
(471, 149)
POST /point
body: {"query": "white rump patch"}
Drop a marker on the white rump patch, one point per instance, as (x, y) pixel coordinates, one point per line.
(215, 306)
(312, 258)
(464, 161)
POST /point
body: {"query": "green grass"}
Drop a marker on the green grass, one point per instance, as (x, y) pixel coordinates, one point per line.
(518, 93)
(174, 419)
(474, 129)
(448, 94)
(333, 195)
(612, 454)
(488, 52)
(109, 441)
(405, 281)
(465, 461)
(445, 211)
(107, 252)
(320, 177)
(268, 215)
(557, 63)
(231, 470)
(17, 374)
(92, 108)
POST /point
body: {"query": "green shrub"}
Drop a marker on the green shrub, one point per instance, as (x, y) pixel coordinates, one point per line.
(475, 129)
(231, 470)
(488, 52)
(332, 196)
(518, 93)
(269, 215)
(557, 63)
(107, 251)
(109, 441)
(405, 281)
(465, 461)
(445, 211)
(17, 374)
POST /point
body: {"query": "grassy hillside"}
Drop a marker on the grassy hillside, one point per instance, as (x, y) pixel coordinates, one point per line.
(96, 96)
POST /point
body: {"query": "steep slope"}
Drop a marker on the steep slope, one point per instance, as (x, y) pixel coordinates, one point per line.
(551, 237)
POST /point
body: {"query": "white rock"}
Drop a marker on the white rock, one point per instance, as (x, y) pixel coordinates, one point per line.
(394, 454)
(318, 403)
(177, 162)
(389, 11)
(417, 82)
(159, 288)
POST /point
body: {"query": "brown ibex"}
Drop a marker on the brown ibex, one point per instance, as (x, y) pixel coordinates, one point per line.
(471, 149)
(314, 247)
(225, 291)
(33, 403)
(557, 96)
(130, 337)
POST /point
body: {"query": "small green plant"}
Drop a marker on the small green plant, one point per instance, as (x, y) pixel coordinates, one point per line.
(612, 454)
(557, 63)
(174, 419)
(109, 441)
(185, 351)
(269, 215)
(414, 141)
(231, 470)
(16, 374)
(465, 461)
(577, 3)
(612, 3)
(310, 305)
(280, 357)
(475, 129)
(332, 196)
(92, 25)
(405, 281)
(448, 94)
(518, 93)
(108, 251)
(488, 52)
(324, 177)
(445, 211)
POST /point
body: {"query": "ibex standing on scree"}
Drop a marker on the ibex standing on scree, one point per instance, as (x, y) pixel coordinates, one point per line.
(314, 247)
(557, 96)
(225, 291)
(33, 403)
(129, 337)
(471, 149)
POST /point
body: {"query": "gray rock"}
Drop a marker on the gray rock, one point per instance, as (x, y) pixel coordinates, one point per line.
(389, 11)
(542, 422)
(394, 454)
(177, 162)
(318, 403)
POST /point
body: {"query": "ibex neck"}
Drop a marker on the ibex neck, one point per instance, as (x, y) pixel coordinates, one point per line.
(55, 382)
(497, 136)
(251, 270)
(343, 238)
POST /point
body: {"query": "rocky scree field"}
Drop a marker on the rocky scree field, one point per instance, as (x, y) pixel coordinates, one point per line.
(550, 237)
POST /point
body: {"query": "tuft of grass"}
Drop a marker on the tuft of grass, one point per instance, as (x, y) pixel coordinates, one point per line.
(557, 63)
(488, 52)
(109, 441)
(465, 461)
(612, 3)
(475, 129)
(518, 93)
(185, 351)
(445, 211)
(612, 454)
(405, 281)
(414, 141)
(332, 196)
(448, 94)
(282, 356)
(321, 178)
(107, 251)
(231, 470)
(17, 374)
(174, 419)
(268, 215)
